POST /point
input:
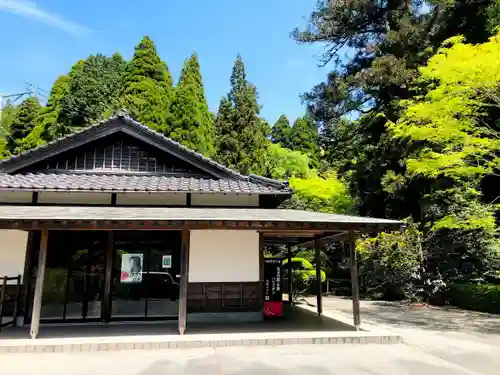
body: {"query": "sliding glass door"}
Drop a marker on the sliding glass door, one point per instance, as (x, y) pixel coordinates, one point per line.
(146, 275)
(74, 276)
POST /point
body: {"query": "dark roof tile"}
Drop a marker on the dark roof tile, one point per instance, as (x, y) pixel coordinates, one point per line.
(124, 183)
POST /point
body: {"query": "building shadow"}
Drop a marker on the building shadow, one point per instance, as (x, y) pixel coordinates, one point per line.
(295, 320)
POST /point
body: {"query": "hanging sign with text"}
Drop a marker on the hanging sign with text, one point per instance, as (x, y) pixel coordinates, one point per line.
(273, 295)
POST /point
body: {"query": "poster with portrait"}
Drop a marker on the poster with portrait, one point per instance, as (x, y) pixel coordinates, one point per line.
(131, 269)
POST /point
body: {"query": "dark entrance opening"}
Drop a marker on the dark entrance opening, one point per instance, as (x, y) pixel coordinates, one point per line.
(144, 276)
(152, 291)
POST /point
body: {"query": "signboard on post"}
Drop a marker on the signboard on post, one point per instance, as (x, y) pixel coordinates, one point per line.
(131, 268)
(273, 295)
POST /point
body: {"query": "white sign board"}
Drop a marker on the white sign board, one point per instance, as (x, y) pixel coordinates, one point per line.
(166, 261)
(131, 270)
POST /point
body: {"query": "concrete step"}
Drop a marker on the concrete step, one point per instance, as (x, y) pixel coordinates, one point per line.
(113, 343)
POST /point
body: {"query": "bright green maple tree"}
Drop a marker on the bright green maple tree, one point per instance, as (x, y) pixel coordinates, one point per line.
(452, 143)
(190, 120)
(283, 163)
(448, 119)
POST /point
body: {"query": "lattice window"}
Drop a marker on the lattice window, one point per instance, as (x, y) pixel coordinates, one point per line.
(118, 156)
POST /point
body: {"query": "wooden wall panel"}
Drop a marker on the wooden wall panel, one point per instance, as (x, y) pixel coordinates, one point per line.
(225, 297)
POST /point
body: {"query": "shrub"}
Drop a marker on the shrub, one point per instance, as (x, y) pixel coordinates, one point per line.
(479, 297)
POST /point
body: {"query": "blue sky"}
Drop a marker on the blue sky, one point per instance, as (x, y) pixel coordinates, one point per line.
(43, 39)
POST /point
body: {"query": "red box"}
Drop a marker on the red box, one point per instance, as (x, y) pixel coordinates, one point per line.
(273, 309)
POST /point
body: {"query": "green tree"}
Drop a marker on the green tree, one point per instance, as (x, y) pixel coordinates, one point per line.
(240, 132)
(148, 87)
(48, 128)
(191, 121)
(452, 138)
(283, 163)
(304, 138)
(391, 264)
(449, 123)
(94, 88)
(388, 41)
(281, 132)
(325, 193)
(8, 114)
(23, 123)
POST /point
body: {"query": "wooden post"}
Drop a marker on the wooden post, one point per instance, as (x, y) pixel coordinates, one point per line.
(317, 257)
(40, 275)
(184, 281)
(26, 281)
(290, 276)
(354, 281)
(3, 293)
(108, 277)
(261, 268)
(17, 300)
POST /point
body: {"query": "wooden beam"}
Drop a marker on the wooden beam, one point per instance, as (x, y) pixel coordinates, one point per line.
(40, 275)
(354, 281)
(184, 281)
(322, 240)
(317, 258)
(163, 224)
(290, 233)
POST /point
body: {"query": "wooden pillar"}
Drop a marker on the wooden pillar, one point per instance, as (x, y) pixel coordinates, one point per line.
(317, 258)
(184, 281)
(40, 275)
(108, 277)
(290, 275)
(354, 281)
(26, 282)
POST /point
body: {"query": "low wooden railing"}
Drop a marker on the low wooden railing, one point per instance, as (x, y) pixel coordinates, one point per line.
(9, 299)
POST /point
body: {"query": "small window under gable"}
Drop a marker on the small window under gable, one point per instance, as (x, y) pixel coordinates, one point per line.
(117, 153)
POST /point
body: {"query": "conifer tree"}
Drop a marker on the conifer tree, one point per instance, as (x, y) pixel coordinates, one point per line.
(190, 120)
(281, 132)
(148, 87)
(240, 139)
(304, 138)
(23, 123)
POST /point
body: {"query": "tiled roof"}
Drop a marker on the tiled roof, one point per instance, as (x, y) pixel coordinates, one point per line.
(184, 213)
(136, 125)
(131, 183)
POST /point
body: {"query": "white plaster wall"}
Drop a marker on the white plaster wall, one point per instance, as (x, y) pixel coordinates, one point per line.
(74, 198)
(247, 200)
(223, 256)
(15, 196)
(159, 199)
(12, 252)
